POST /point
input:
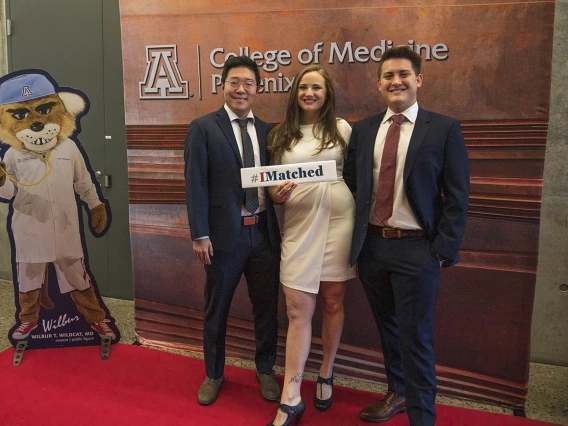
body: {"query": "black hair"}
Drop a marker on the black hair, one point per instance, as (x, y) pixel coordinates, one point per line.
(240, 61)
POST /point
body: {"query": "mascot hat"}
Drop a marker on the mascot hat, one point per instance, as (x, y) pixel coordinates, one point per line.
(25, 87)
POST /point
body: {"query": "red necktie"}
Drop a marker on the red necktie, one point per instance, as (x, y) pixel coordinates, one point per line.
(385, 187)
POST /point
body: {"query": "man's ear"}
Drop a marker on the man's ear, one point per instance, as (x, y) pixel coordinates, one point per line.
(74, 104)
(419, 80)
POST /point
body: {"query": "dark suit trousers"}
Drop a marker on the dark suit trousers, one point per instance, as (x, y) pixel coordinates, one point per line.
(401, 278)
(260, 262)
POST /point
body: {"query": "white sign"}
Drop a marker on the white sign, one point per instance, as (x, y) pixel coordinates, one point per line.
(318, 171)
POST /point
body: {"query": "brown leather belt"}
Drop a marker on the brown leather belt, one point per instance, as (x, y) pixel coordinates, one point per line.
(253, 220)
(396, 233)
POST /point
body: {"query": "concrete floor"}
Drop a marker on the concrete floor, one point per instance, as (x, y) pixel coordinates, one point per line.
(548, 385)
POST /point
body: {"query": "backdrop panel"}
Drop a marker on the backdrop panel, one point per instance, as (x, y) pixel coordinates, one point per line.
(485, 63)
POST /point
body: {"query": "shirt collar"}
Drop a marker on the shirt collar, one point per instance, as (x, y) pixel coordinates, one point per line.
(233, 116)
(410, 113)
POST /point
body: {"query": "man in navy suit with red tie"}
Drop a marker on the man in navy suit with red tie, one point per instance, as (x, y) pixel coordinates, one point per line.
(409, 168)
(234, 231)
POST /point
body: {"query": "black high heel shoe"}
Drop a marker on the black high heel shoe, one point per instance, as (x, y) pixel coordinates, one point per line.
(323, 404)
(293, 411)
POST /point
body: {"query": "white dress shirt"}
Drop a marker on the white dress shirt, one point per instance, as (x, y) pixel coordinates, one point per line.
(252, 132)
(402, 216)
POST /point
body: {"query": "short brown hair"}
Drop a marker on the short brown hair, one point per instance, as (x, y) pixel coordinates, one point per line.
(401, 52)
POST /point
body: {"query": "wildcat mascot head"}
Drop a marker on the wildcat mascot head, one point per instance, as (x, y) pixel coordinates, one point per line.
(34, 116)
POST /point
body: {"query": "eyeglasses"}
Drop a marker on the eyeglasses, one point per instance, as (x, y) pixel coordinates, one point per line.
(247, 84)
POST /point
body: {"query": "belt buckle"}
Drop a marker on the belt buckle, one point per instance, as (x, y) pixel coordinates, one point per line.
(385, 230)
(250, 220)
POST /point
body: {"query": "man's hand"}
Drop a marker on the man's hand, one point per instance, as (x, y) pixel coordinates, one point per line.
(2, 173)
(99, 218)
(203, 249)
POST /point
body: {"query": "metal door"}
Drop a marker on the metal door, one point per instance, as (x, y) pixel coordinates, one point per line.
(78, 43)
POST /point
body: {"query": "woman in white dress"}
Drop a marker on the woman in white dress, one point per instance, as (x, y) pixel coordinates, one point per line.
(317, 229)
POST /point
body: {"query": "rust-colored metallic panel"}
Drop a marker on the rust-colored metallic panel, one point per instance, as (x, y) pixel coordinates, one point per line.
(494, 52)
(157, 7)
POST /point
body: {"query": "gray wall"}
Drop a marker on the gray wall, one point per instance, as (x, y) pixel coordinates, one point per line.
(550, 319)
(5, 258)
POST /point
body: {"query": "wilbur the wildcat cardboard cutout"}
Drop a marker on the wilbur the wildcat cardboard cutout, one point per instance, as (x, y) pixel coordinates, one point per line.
(46, 178)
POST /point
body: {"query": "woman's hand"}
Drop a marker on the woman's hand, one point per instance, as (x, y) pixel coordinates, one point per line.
(282, 191)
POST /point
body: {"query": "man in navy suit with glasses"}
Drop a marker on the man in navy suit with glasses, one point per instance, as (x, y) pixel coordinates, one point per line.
(234, 231)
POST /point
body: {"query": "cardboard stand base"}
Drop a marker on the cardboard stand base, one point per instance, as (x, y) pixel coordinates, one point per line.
(19, 352)
(105, 347)
(23, 344)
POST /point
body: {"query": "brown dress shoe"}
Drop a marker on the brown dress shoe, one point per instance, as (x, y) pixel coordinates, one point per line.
(269, 388)
(384, 409)
(209, 391)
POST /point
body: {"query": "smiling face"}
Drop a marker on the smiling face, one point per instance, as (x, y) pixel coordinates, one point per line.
(311, 96)
(398, 84)
(35, 125)
(240, 99)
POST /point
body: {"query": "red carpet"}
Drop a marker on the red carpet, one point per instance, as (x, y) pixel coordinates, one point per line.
(141, 386)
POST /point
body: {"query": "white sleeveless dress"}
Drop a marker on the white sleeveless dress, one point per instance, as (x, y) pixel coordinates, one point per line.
(318, 220)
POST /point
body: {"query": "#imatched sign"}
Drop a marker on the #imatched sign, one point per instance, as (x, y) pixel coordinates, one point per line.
(317, 171)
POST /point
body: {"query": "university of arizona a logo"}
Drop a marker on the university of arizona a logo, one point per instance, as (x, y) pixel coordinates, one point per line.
(26, 91)
(163, 79)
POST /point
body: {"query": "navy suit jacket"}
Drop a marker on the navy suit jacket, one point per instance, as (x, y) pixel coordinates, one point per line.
(436, 162)
(214, 194)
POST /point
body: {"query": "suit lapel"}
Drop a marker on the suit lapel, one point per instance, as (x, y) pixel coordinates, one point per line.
(418, 134)
(261, 141)
(227, 129)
